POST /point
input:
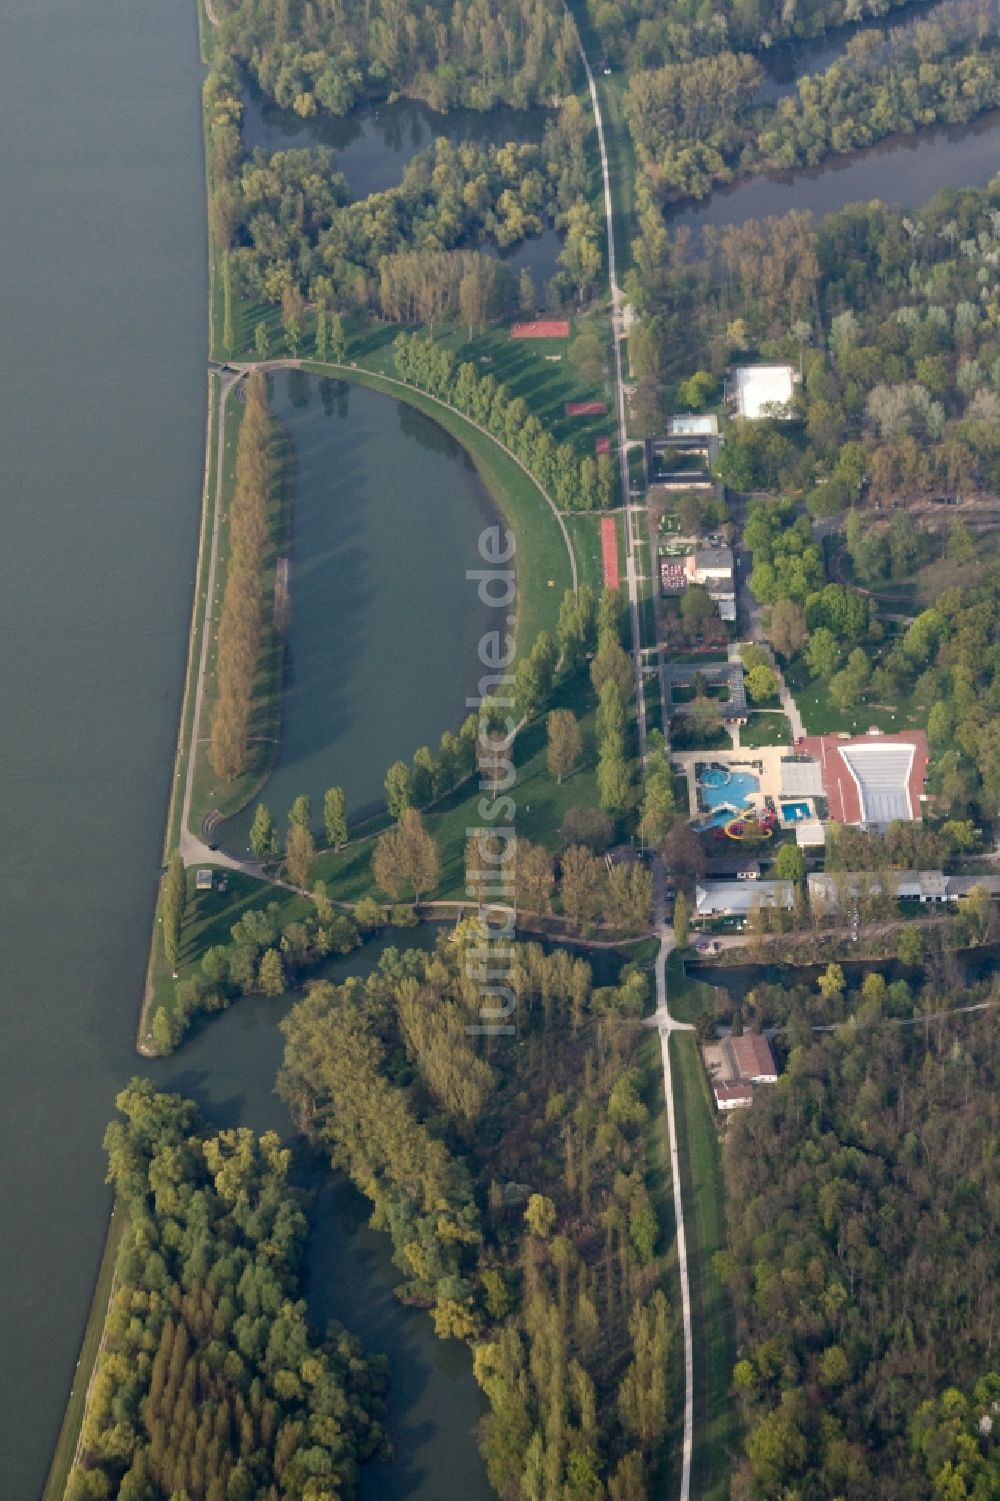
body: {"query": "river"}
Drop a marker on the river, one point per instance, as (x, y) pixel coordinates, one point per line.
(102, 423)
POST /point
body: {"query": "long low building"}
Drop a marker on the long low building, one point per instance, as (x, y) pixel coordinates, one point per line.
(740, 898)
(828, 892)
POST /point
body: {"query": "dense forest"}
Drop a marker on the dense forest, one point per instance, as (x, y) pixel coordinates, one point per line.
(209, 1382)
(311, 55)
(699, 123)
(510, 1175)
(863, 1262)
(649, 33)
(289, 231)
(893, 319)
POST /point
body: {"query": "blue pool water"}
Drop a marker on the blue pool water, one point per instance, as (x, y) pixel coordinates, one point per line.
(731, 788)
(794, 812)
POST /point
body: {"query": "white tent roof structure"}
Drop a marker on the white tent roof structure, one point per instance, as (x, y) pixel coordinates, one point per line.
(881, 772)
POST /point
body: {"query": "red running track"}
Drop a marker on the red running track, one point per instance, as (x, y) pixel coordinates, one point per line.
(556, 328)
(609, 549)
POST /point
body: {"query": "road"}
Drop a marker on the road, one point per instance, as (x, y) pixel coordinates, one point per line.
(664, 1022)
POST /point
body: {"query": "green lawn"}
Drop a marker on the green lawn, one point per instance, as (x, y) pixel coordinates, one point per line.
(715, 1430)
(689, 999)
(584, 528)
(541, 806)
(766, 729)
(542, 371)
(821, 718)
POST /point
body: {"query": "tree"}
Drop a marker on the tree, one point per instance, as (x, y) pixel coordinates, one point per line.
(335, 816)
(822, 653)
(533, 876)
(683, 853)
(761, 682)
(300, 852)
(540, 1216)
(581, 885)
(704, 717)
(697, 607)
(790, 863)
(614, 785)
(406, 855)
(263, 833)
(696, 391)
(630, 896)
(587, 826)
(337, 339)
(565, 743)
(300, 812)
(272, 974)
(786, 627)
(261, 342)
(682, 920)
(397, 788)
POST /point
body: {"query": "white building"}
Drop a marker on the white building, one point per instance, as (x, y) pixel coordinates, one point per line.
(712, 567)
(763, 390)
(740, 898)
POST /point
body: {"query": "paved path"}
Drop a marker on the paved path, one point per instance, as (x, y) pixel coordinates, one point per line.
(195, 851)
(663, 1020)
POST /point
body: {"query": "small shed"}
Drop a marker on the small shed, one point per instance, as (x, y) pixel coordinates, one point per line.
(204, 880)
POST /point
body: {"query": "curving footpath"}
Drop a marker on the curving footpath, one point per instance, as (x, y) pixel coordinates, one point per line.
(663, 1021)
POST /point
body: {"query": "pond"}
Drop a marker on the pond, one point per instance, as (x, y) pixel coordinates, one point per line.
(374, 145)
(387, 511)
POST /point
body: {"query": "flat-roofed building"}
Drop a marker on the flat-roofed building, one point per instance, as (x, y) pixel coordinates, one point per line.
(740, 898)
(762, 390)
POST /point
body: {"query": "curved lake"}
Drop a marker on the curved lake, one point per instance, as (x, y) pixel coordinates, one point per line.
(387, 511)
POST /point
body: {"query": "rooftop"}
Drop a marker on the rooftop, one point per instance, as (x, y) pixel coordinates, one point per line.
(872, 779)
(756, 388)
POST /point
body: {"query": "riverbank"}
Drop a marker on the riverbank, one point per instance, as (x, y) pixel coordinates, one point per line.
(68, 1443)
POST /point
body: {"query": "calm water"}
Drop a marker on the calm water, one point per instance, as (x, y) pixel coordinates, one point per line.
(386, 518)
(102, 393)
(785, 64)
(102, 410)
(229, 1067)
(903, 171)
(375, 144)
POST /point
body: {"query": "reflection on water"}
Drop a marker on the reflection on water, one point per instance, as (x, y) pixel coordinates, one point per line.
(387, 510)
(229, 1066)
(902, 171)
(374, 144)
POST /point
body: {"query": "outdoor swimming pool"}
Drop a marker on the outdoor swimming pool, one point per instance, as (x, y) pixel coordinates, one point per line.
(723, 788)
(795, 812)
